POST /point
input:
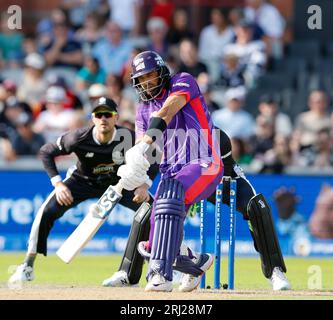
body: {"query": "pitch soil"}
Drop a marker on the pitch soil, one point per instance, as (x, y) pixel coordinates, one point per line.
(52, 292)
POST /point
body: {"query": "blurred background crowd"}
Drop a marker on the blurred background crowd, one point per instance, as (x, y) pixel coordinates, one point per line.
(270, 93)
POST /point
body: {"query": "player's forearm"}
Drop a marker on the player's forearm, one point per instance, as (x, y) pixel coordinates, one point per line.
(163, 117)
(47, 153)
(170, 107)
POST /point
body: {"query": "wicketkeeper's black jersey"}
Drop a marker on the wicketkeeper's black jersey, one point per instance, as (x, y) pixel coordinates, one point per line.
(97, 163)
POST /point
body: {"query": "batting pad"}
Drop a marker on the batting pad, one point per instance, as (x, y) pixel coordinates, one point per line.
(169, 224)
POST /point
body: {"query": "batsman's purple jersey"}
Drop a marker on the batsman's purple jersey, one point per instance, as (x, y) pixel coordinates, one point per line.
(190, 144)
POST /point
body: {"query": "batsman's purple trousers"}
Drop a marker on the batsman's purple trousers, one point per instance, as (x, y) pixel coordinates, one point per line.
(199, 183)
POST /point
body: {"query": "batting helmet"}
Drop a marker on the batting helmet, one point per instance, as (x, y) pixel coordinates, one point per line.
(146, 62)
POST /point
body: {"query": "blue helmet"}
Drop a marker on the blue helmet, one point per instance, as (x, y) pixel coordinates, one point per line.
(146, 62)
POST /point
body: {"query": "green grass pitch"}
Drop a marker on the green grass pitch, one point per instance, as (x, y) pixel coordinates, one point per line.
(92, 270)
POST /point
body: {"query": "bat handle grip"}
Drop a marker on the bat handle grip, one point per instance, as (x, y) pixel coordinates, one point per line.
(119, 187)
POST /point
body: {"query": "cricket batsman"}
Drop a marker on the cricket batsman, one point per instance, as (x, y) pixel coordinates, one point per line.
(173, 115)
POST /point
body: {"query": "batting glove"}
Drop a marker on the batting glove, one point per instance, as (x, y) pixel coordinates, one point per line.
(135, 157)
(130, 179)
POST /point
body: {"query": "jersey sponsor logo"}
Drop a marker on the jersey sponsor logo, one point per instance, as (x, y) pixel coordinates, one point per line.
(89, 155)
(104, 168)
(181, 84)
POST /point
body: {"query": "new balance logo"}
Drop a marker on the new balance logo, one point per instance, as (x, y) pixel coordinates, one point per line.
(89, 155)
(262, 204)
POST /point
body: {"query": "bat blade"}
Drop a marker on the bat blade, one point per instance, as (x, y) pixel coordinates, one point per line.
(88, 227)
(80, 237)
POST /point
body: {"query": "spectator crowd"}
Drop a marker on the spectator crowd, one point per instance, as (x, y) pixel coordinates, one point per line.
(83, 50)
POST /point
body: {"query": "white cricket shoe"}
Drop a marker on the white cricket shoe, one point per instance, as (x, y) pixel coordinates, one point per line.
(279, 281)
(118, 279)
(159, 283)
(23, 273)
(190, 282)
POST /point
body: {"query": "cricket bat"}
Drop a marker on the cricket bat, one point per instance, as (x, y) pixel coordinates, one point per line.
(96, 216)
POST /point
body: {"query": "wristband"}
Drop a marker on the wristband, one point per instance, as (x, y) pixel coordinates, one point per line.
(55, 180)
(156, 123)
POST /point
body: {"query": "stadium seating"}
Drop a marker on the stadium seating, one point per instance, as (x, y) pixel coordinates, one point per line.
(309, 50)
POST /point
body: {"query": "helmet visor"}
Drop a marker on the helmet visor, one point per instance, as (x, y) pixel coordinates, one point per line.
(150, 88)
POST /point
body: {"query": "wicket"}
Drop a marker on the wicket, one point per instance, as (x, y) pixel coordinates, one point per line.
(218, 233)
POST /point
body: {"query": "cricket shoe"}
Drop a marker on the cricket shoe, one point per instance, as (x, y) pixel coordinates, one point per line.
(158, 283)
(190, 282)
(23, 273)
(118, 279)
(279, 281)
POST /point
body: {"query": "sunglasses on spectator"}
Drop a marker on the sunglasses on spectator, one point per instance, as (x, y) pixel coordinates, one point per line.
(107, 115)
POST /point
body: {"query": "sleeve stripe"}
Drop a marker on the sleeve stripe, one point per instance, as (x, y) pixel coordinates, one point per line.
(181, 93)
